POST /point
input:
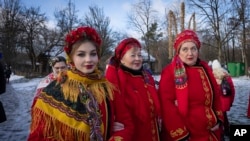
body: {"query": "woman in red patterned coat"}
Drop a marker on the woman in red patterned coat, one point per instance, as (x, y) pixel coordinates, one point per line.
(137, 87)
(80, 104)
(189, 95)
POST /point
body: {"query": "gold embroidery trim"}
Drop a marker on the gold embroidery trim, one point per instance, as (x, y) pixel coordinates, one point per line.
(209, 98)
(177, 132)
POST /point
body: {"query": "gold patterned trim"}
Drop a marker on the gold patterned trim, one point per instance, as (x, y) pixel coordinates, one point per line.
(117, 138)
(209, 98)
(219, 113)
(177, 132)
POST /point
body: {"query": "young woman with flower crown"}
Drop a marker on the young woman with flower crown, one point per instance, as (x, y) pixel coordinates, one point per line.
(80, 104)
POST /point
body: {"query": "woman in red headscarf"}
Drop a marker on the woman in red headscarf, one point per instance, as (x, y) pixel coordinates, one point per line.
(189, 95)
(137, 87)
(80, 104)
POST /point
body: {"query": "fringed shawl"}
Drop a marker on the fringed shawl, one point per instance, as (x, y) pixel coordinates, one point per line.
(97, 85)
(60, 114)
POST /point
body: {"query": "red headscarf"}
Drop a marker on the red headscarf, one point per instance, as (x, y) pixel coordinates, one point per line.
(181, 85)
(120, 80)
(184, 36)
(122, 48)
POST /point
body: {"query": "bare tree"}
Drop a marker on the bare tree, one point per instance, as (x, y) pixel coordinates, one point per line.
(141, 18)
(173, 23)
(243, 14)
(49, 41)
(67, 18)
(155, 42)
(9, 29)
(33, 23)
(212, 13)
(97, 19)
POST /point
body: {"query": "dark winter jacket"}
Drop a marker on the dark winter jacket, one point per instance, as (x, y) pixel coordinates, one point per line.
(7, 72)
(2, 80)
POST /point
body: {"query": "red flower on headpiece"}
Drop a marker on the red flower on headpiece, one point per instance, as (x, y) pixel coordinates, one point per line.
(79, 33)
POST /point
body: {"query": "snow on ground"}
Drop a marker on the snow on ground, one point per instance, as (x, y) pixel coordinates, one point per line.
(17, 101)
(238, 112)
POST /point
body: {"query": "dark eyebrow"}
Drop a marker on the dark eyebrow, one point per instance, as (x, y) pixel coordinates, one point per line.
(81, 51)
(94, 50)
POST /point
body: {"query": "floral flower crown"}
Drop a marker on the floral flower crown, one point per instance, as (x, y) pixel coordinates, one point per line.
(81, 33)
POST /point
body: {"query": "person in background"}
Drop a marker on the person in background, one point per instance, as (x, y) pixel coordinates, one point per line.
(189, 95)
(79, 104)
(57, 64)
(7, 72)
(210, 63)
(137, 86)
(226, 96)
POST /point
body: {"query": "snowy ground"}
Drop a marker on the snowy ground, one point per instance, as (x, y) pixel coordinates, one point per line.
(238, 112)
(20, 92)
(16, 101)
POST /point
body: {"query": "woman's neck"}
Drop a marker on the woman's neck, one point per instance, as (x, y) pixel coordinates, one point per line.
(134, 72)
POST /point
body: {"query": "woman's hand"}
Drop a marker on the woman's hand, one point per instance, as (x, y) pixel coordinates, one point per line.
(216, 127)
(118, 126)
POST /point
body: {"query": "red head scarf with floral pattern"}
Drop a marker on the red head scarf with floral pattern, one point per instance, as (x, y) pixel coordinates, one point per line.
(184, 36)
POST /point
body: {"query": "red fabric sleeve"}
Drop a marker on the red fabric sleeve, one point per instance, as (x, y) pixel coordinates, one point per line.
(121, 113)
(172, 120)
(229, 79)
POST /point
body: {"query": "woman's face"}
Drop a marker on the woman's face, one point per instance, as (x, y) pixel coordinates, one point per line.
(132, 58)
(85, 58)
(188, 53)
(59, 67)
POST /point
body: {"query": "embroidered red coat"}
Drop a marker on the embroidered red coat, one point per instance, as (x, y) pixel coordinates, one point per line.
(202, 99)
(141, 100)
